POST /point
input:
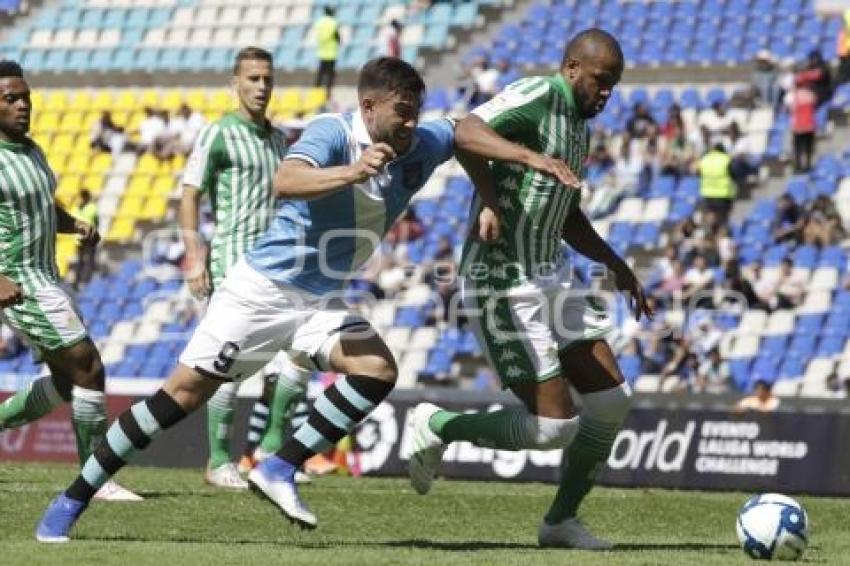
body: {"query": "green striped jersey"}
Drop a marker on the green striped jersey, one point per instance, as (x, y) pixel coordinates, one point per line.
(27, 216)
(234, 162)
(540, 114)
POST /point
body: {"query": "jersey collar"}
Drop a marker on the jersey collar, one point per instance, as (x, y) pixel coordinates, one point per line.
(15, 146)
(565, 89)
(362, 137)
(254, 127)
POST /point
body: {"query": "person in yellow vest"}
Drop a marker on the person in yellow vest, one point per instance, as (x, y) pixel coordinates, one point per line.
(326, 30)
(843, 51)
(86, 210)
(717, 188)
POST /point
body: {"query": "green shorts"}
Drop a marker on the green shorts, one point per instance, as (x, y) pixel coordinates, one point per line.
(522, 330)
(47, 319)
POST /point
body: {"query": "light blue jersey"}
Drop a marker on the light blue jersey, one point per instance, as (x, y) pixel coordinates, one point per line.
(316, 245)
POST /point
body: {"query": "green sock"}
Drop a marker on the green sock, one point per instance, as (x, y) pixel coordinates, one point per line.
(582, 461)
(503, 429)
(31, 403)
(88, 414)
(219, 421)
(288, 392)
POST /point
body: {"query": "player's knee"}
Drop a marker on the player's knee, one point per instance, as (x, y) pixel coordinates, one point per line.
(549, 434)
(610, 405)
(378, 367)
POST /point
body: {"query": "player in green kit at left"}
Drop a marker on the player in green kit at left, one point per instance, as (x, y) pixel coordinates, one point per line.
(32, 299)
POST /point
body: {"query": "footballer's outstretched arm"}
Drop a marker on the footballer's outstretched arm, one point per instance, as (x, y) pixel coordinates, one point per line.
(473, 135)
(579, 233)
(298, 179)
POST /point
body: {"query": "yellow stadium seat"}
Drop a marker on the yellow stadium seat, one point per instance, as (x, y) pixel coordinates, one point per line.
(163, 185)
(93, 182)
(43, 139)
(47, 122)
(314, 99)
(69, 183)
(102, 100)
(101, 163)
(171, 100)
(147, 164)
(140, 185)
(212, 115)
(131, 206)
(82, 100)
(82, 143)
(289, 101)
(197, 99)
(37, 98)
(135, 121)
(90, 118)
(72, 122)
(178, 163)
(56, 100)
(58, 162)
(221, 100)
(121, 118)
(155, 208)
(62, 143)
(149, 97)
(78, 163)
(121, 230)
(126, 100)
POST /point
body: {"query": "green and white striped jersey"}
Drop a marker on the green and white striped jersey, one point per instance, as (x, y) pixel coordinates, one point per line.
(234, 161)
(538, 113)
(27, 216)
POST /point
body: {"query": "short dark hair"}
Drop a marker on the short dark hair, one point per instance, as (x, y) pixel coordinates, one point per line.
(251, 54)
(329, 10)
(85, 194)
(390, 74)
(10, 69)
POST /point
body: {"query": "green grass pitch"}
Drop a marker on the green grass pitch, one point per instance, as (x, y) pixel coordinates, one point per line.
(381, 521)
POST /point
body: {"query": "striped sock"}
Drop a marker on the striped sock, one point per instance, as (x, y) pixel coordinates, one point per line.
(257, 424)
(31, 403)
(336, 411)
(582, 462)
(220, 423)
(88, 413)
(133, 431)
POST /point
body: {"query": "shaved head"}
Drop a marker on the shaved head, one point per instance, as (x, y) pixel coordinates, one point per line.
(592, 66)
(593, 43)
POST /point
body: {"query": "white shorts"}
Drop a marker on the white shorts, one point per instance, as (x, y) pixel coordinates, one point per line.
(523, 330)
(250, 319)
(48, 319)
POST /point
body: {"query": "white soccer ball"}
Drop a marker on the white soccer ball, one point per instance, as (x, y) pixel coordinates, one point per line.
(773, 527)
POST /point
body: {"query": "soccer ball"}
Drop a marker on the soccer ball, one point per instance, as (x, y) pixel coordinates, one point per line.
(773, 527)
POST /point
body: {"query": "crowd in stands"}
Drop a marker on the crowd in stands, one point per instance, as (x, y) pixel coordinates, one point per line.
(158, 133)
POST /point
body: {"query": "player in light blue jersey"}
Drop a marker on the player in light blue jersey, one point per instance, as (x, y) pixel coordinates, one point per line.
(346, 181)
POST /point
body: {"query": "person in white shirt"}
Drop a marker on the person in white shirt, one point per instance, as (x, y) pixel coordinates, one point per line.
(716, 125)
(151, 131)
(761, 401)
(698, 278)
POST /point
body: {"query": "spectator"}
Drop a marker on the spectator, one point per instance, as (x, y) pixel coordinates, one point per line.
(106, 135)
(788, 222)
(784, 290)
(626, 178)
(761, 401)
(86, 210)
(183, 128)
(717, 187)
(673, 283)
(389, 39)
(727, 249)
(599, 163)
(10, 344)
(507, 75)
(764, 79)
(737, 289)
(712, 374)
(698, 279)
(741, 166)
(843, 50)
(326, 30)
(817, 76)
(486, 81)
(677, 153)
(641, 125)
(716, 124)
(407, 229)
(151, 132)
(802, 102)
(823, 225)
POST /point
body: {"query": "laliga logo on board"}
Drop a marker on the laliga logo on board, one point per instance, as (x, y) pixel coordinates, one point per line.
(376, 437)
